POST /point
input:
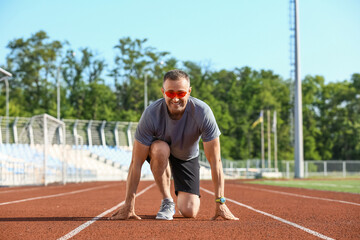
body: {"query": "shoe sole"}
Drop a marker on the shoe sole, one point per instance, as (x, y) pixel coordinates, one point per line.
(163, 218)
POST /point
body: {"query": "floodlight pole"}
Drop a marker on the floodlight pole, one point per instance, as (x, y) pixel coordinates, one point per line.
(262, 141)
(299, 148)
(7, 110)
(145, 92)
(58, 92)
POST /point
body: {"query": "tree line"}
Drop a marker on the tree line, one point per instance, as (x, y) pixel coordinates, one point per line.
(92, 88)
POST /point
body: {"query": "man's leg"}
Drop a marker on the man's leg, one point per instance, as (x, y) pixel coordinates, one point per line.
(188, 204)
(187, 185)
(159, 162)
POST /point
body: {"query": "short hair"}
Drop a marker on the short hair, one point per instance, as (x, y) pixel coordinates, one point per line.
(176, 74)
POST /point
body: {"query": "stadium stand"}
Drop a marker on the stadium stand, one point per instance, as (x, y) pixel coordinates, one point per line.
(105, 154)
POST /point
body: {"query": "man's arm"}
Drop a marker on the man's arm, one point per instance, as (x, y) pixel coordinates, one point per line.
(212, 153)
(139, 155)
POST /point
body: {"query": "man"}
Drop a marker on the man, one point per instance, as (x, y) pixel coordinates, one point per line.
(168, 134)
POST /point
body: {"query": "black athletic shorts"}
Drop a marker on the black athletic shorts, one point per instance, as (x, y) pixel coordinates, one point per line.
(186, 174)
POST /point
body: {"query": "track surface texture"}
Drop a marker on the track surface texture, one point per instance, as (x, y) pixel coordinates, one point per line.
(81, 211)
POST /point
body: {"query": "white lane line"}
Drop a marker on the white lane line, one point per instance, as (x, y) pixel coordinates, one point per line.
(299, 195)
(19, 190)
(28, 189)
(275, 217)
(332, 185)
(88, 223)
(55, 195)
(313, 184)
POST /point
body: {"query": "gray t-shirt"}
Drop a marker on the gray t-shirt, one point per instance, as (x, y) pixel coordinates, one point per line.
(182, 135)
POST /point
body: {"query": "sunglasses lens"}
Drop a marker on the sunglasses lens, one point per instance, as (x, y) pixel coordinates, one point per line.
(181, 94)
(170, 94)
(175, 94)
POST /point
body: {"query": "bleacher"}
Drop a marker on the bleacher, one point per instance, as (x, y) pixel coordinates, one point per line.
(103, 154)
(22, 164)
(117, 157)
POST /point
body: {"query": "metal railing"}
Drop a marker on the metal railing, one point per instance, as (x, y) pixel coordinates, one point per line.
(93, 132)
(325, 168)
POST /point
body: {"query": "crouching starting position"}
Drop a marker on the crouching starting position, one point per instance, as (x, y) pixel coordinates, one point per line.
(168, 137)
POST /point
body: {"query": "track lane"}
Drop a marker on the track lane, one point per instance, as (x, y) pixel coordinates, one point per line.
(54, 217)
(98, 217)
(341, 196)
(202, 227)
(55, 195)
(33, 192)
(316, 234)
(300, 195)
(336, 220)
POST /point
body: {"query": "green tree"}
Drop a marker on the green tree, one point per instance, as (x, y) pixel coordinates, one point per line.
(33, 63)
(312, 92)
(84, 85)
(132, 63)
(330, 111)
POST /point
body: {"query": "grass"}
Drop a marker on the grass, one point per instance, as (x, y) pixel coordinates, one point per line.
(338, 185)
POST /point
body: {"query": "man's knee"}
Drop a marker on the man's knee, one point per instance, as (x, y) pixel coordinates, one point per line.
(188, 204)
(159, 153)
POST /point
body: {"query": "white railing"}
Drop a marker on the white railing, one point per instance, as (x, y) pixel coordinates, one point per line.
(325, 168)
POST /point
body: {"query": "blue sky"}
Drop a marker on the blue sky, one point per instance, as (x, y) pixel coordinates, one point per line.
(217, 34)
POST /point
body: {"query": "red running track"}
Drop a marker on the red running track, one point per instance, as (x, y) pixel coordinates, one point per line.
(80, 211)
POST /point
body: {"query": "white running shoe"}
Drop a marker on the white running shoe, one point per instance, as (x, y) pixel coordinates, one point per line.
(167, 210)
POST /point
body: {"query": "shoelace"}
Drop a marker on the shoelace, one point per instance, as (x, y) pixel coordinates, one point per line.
(165, 205)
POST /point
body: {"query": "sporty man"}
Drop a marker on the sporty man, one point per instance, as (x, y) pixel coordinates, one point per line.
(168, 137)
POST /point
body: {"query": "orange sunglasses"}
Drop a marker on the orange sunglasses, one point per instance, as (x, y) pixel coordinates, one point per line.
(172, 94)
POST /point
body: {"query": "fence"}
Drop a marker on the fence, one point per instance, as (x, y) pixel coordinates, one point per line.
(24, 160)
(326, 168)
(252, 168)
(93, 132)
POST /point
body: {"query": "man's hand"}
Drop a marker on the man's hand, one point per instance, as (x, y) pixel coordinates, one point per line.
(124, 213)
(223, 211)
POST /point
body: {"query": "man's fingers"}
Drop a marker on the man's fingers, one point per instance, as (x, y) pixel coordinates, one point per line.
(232, 217)
(226, 214)
(114, 214)
(113, 217)
(117, 217)
(122, 215)
(135, 217)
